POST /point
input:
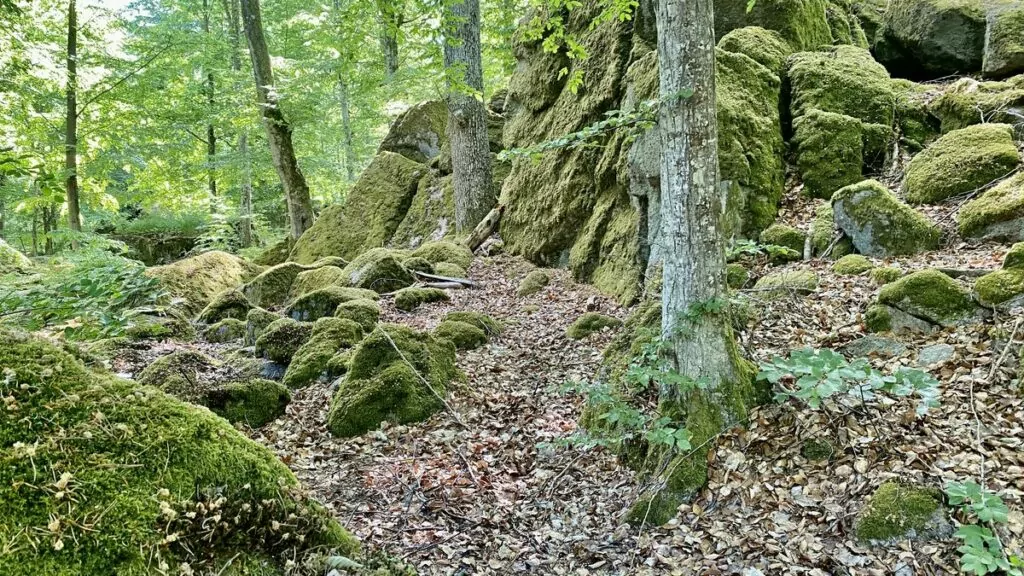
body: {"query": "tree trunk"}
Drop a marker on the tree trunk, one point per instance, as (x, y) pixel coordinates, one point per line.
(211, 135)
(346, 129)
(467, 115)
(279, 133)
(231, 13)
(35, 232)
(49, 218)
(389, 14)
(71, 125)
(695, 322)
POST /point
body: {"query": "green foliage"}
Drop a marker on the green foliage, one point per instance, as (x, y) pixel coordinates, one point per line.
(982, 551)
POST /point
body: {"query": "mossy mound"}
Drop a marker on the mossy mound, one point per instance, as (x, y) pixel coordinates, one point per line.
(590, 323)
(395, 374)
(450, 270)
(927, 39)
(736, 276)
(852, 265)
(339, 363)
(362, 311)
(783, 235)
(898, 511)
(802, 23)
(967, 102)
(931, 296)
(227, 304)
(418, 264)
(373, 209)
(408, 299)
(379, 270)
(465, 336)
(329, 335)
(276, 253)
(767, 47)
(320, 303)
(282, 338)
(998, 214)
(1014, 257)
(135, 466)
(489, 325)
(534, 282)
(11, 260)
(961, 161)
(879, 224)
(787, 282)
(169, 324)
(1002, 288)
(884, 275)
(817, 449)
(442, 251)
(843, 80)
(256, 322)
(196, 281)
(431, 215)
(309, 280)
(830, 151)
(227, 330)
(272, 287)
(254, 402)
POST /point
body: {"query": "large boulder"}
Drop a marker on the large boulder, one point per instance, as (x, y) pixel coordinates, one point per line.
(1004, 40)
(932, 38)
(968, 101)
(320, 303)
(379, 270)
(933, 297)
(194, 282)
(418, 133)
(767, 47)
(431, 214)
(397, 375)
(802, 23)
(998, 214)
(961, 161)
(227, 304)
(372, 212)
(830, 151)
(1004, 288)
(879, 224)
(11, 260)
(272, 287)
(279, 341)
(149, 475)
(329, 336)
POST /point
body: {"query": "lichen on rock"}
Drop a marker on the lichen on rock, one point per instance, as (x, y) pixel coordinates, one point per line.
(998, 214)
(1004, 40)
(408, 299)
(327, 338)
(961, 161)
(282, 338)
(879, 224)
(419, 132)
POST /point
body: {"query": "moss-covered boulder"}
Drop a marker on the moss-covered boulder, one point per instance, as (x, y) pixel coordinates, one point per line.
(408, 299)
(324, 302)
(927, 39)
(253, 402)
(272, 287)
(590, 323)
(431, 214)
(449, 270)
(339, 363)
(328, 337)
(1014, 256)
(898, 511)
(879, 224)
(884, 275)
(1004, 288)
(917, 125)
(256, 322)
(787, 282)
(282, 338)
(276, 253)
(489, 325)
(829, 151)
(968, 101)
(767, 47)
(227, 304)
(418, 264)
(783, 235)
(1004, 40)
(843, 80)
(227, 330)
(961, 161)
(852, 265)
(11, 260)
(533, 282)
(419, 132)
(802, 23)
(443, 251)
(169, 324)
(194, 282)
(362, 311)
(465, 336)
(136, 466)
(379, 270)
(307, 281)
(998, 214)
(395, 374)
(736, 275)
(932, 296)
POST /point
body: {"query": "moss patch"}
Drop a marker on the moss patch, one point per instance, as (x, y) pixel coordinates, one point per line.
(450, 270)
(787, 282)
(1001, 287)
(879, 224)
(767, 47)
(830, 151)
(534, 282)
(379, 270)
(227, 330)
(309, 280)
(199, 279)
(489, 325)
(932, 296)
(362, 311)
(408, 299)
(842, 80)
(885, 274)
(1014, 257)
(273, 286)
(961, 161)
(967, 102)
(590, 323)
(324, 302)
(852, 265)
(418, 264)
(736, 276)
(282, 338)
(442, 251)
(253, 402)
(465, 336)
(328, 337)
(783, 235)
(817, 449)
(228, 304)
(998, 214)
(899, 511)
(256, 321)
(802, 23)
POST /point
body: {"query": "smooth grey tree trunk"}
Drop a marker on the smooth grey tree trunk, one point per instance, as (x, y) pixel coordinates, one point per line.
(211, 134)
(279, 132)
(71, 124)
(467, 115)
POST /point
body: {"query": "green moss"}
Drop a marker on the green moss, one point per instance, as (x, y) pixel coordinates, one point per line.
(324, 302)
(317, 279)
(830, 151)
(418, 264)
(379, 270)
(817, 449)
(227, 330)
(1014, 257)
(396, 374)
(373, 209)
(1001, 287)
(967, 102)
(961, 161)
(823, 228)
(253, 402)
(879, 224)
(590, 323)
(362, 311)
(998, 214)
(169, 324)
(916, 123)
(534, 282)
(783, 235)
(198, 280)
(443, 251)
(898, 511)
(839, 24)
(877, 318)
(431, 215)
(736, 276)
(114, 456)
(276, 253)
(766, 47)
(328, 336)
(842, 80)
(256, 322)
(489, 325)
(465, 336)
(787, 282)
(339, 363)
(876, 140)
(282, 338)
(408, 299)
(1004, 41)
(885, 275)
(802, 23)
(227, 304)
(273, 286)
(859, 36)
(852, 265)
(450, 270)
(932, 296)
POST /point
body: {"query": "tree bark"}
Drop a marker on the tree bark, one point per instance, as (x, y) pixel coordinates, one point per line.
(211, 135)
(279, 132)
(71, 124)
(467, 115)
(346, 129)
(231, 13)
(389, 15)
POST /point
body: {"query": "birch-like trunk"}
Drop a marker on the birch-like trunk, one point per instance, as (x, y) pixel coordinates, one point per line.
(231, 13)
(467, 115)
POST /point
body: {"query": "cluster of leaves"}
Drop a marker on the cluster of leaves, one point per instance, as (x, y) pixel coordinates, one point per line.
(982, 551)
(822, 374)
(745, 247)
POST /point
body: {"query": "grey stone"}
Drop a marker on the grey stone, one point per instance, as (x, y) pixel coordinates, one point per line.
(934, 354)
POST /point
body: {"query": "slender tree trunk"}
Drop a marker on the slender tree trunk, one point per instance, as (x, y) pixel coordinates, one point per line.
(71, 125)
(389, 15)
(467, 115)
(279, 133)
(211, 134)
(346, 129)
(35, 232)
(49, 216)
(231, 13)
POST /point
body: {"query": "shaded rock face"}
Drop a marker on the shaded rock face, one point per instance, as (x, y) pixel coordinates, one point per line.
(11, 260)
(418, 133)
(154, 250)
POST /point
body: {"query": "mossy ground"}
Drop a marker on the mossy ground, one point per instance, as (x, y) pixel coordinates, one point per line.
(489, 325)
(590, 323)
(898, 511)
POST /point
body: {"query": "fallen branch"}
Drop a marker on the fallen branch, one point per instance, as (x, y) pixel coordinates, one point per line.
(486, 227)
(463, 281)
(445, 285)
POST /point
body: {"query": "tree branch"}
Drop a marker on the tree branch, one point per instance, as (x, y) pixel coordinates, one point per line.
(124, 78)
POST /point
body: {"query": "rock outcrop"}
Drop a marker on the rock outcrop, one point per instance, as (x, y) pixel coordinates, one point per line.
(194, 282)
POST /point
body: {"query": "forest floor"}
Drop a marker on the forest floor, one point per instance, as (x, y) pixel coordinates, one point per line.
(502, 492)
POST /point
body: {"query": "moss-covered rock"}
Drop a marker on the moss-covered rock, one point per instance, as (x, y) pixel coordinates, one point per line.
(373, 209)
(490, 326)
(842, 80)
(787, 282)
(998, 214)
(1004, 40)
(324, 302)
(534, 282)
(961, 161)
(227, 330)
(1014, 257)
(256, 321)
(418, 264)
(830, 151)
(339, 363)
(884, 275)
(465, 336)
(767, 47)
(135, 465)
(282, 338)
(932, 296)
(823, 228)
(253, 402)
(362, 311)
(898, 511)
(443, 251)
(419, 132)
(273, 286)
(1002, 288)
(227, 304)
(736, 276)
(431, 215)
(276, 253)
(450, 270)
(783, 235)
(590, 323)
(328, 337)
(968, 101)
(395, 374)
(11, 260)
(316, 279)
(928, 39)
(852, 265)
(408, 299)
(879, 224)
(196, 281)
(379, 270)
(915, 121)
(169, 324)
(802, 23)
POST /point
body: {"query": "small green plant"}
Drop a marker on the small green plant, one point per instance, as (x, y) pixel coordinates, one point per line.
(741, 248)
(982, 551)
